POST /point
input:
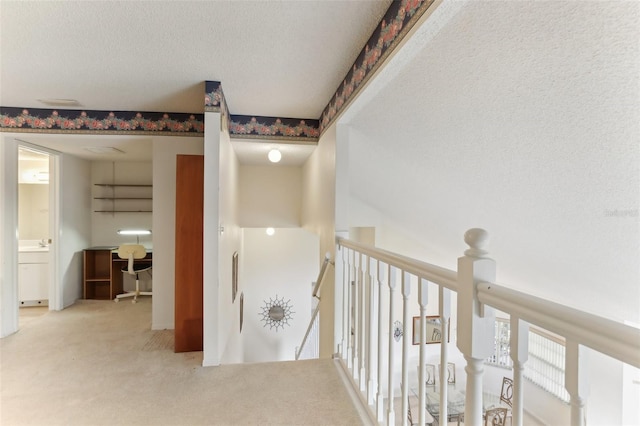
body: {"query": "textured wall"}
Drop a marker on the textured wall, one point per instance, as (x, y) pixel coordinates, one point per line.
(521, 118)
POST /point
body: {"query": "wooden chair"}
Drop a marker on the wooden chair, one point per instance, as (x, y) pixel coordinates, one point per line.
(496, 417)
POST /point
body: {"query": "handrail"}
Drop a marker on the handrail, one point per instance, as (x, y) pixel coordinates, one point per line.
(320, 279)
(316, 294)
(609, 337)
(427, 271)
(367, 274)
(316, 311)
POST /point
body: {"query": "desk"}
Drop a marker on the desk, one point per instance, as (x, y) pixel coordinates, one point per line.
(102, 272)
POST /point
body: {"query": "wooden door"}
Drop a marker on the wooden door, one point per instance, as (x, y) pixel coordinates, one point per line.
(189, 228)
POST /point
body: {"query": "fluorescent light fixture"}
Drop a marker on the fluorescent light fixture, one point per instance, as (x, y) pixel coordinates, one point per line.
(270, 231)
(274, 155)
(134, 231)
(103, 150)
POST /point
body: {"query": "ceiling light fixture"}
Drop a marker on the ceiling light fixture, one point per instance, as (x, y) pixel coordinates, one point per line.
(270, 231)
(103, 150)
(274, 155)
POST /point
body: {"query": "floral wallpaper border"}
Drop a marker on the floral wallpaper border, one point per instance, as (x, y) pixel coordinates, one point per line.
(63, 120)
(257, 127)
(243, 126)
(397, 21)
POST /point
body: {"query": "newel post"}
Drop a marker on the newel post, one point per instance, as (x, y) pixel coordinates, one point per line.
(476, 322)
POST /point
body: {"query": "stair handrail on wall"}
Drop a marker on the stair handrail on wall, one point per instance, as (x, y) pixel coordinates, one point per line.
(365, 274)
(316, 294)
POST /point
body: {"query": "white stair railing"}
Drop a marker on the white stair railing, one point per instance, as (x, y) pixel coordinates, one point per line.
(367, 279)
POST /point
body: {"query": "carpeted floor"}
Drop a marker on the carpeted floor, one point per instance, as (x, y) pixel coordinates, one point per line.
(99, 363)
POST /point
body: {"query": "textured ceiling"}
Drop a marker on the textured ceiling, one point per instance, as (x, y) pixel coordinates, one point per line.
(274, 58)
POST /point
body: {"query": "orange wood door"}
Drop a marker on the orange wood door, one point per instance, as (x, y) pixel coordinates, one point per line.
(189, 228)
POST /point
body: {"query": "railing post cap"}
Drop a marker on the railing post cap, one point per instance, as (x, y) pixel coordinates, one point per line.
(477, 239)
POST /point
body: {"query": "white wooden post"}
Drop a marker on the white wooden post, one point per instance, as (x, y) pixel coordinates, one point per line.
(391, 416)
(444, 303)
(475, 322)
(379, 397)
(576, 380)
(519, 355)
(423, 298)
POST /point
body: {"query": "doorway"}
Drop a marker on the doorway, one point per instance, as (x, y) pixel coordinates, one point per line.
(37, 224)
(33, 228)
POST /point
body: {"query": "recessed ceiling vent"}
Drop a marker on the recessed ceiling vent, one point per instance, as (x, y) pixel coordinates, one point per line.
(103, 150)
(60, 102)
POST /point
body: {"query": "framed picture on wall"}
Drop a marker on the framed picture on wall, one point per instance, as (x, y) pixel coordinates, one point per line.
(434, 330)
(234, 277)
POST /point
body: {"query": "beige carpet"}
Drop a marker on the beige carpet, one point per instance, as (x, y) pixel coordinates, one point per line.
(98, 363)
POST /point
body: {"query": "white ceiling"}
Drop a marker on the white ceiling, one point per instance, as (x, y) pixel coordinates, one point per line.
(274, 58)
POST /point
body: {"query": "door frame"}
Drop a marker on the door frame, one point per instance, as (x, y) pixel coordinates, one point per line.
(9, 303)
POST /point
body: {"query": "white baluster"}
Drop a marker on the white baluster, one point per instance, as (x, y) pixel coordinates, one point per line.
(379, 397)
(475, 322)
(345, 300)
(406, 337)
(357, 323)
(576, 380)
(364, 325)
(423, 298)
(391, 416)
(519, 354)
(371, 355)
(444, 304)
(350, 308)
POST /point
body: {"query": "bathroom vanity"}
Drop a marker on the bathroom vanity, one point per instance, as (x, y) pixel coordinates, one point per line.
(33, 274)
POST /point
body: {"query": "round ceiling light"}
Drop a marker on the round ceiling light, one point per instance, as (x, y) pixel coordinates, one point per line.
(274, 155)
(270, 231)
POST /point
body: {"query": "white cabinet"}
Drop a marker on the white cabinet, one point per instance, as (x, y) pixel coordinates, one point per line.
(33, 278)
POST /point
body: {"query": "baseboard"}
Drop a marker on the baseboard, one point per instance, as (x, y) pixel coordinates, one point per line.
(359, 400)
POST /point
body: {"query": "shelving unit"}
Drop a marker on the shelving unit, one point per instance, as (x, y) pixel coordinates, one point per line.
(125, 198)
(98, 274)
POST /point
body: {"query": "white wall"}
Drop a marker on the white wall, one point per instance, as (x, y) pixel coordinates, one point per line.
(318, 216)
(526, 127)
(213, 139)
(281, 266)
(104, 226)
(8, 236)
(75, 225)
(33, 211)
(231, 343)
(165, 150)
(270, 196)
